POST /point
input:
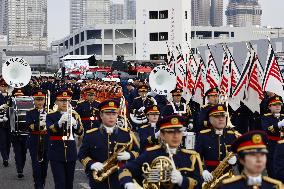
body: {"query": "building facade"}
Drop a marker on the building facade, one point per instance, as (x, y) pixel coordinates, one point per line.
(216, 13)
(160, 23)
(88, 12)
(116, 13)
(200, 13)
(25, 22)
(242, 13)
(129, 9)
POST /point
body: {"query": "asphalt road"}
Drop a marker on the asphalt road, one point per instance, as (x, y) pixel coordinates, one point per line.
(9, 179)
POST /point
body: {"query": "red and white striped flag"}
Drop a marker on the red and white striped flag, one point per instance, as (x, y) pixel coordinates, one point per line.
(225, 74)
(212, 74)
(272, 80)
(199, 83)
(180, 70)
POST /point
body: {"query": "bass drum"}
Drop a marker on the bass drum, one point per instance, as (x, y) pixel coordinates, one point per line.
(20, 105)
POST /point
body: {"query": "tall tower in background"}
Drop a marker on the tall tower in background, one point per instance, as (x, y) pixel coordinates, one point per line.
(89, 12)
(25, 22)
(116, 13)
(200, 12)
(216, 13)
(241, 13)
(129, 9)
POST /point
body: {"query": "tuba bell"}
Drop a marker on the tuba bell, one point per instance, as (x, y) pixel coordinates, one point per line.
(16, 72)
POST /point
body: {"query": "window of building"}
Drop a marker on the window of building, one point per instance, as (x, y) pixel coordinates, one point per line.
(232, 34)
(154, 36)
(185, 36)
(153, 15)
(163, 36)
(163, 14)
(185, 14)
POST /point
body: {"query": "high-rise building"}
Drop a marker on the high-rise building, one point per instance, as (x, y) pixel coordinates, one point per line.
(24, 22)
(216, 13)
(200, 12)
(129, 9)
(241, 13)
(88, 12)
(116, 13)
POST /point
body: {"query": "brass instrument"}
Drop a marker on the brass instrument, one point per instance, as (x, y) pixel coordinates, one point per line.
(159, 172)
(218, 173)
(69, 127)
(110, 165)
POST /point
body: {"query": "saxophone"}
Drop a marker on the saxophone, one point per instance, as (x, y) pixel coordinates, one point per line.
(110, 165)
(218, 173)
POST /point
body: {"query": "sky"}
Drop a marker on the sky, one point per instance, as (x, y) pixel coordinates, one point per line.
(58, 16)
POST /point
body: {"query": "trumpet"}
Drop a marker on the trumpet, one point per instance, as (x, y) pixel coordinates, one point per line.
(69, 127)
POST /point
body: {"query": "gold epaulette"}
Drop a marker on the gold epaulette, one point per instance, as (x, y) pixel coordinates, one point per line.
(51, 111)
(80, 101)
(91, 130)
(137, 97)
(236, 133)
(280, 142)
(204, 106)
(269, 114)
(205, 131)
(273, 181)
(192, 152)
(282, 114)
(233, 179)
(144, 126)
(153, 148)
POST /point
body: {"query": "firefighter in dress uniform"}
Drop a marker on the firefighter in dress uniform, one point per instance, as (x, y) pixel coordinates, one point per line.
(213, 99)
(251, 150)
(149, 133)
(62, 151)
(214, 144)
(88, 110)
(186, 164)
(38, 139)
(5, 130)
(273, 123)
(101, 144)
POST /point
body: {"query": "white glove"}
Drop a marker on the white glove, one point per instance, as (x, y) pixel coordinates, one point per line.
(123, 156)
(42, 123)
(281, 124)
(63, 119)
(129, 185)
(157, 134)
(190, 126)
(176, 177)
(74, 123)
(141, 109)
(232, 160)
(1, 120)
(207, 176)
(98, 166)
(5, 118)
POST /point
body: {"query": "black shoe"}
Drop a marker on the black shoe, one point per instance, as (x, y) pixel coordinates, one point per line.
(5, 163)
(20, 175)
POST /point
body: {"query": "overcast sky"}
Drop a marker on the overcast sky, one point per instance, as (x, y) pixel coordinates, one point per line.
(58, 16)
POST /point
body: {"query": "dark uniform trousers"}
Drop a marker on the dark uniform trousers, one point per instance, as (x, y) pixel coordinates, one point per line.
(214, 148)
(37, 151)
(19, 143)
(62, 154)
(240, 182)
(98, 146)
(186, 161)
(269, 124)
(89, 114)
(5, 142)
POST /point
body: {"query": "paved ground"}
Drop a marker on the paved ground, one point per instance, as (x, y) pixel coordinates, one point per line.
(9, 180)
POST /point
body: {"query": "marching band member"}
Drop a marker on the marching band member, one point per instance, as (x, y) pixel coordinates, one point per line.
(273, 123)
(213, 99)
(5, 130)
(38, 140)
(278, 165)
(62, 152)
(213, 144)
(88, 110)
(140, 103)
(178, 107)
(251, 150)
(149, 133)
(100, 144)
(186, 164)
